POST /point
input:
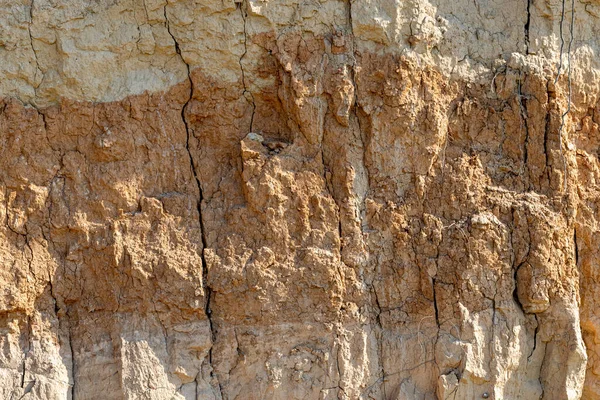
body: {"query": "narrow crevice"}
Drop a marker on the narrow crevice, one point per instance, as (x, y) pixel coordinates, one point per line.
(350, 21)
(24, 372)
(246, 93)
(26, 386)
(207, 289)
(378, 311)
(46, 232)
(69, 321)
(339, 386)
(516, 268)
(163, 328)
(569, 84)
(238, 349)
(329, 187)
(53, 295)
(35, 55)
(25, 236)
(540, 379)
(340, 233)
(516, 289)
(546, 131)
(527, 27)
(57, 312)
(45, 124)
(562, 41)
(523, 121)
(493, 334)
(434, 293)
(435, 304)
(73, 363)
(353, 76)
(355, 111)
(30, 258)
(575, 247)
(535, 337)
(363, 142)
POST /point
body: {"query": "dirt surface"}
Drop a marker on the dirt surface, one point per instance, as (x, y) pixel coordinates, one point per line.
(288, 199)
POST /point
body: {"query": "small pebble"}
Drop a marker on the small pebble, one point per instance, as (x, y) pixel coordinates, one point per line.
(485, 395)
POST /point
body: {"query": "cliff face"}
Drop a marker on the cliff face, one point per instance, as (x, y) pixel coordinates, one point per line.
(299, 199)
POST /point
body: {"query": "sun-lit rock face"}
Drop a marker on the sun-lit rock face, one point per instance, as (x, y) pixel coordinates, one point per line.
(309, 199)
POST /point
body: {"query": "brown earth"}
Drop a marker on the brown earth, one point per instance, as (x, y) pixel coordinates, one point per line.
(339, 221)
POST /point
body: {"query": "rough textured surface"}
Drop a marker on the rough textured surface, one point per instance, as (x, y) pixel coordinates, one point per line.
(299, 199)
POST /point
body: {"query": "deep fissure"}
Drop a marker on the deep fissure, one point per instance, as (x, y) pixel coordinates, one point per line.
(189, 133)
(243, 6)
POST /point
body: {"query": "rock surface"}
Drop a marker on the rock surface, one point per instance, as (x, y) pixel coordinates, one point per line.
(299, 199)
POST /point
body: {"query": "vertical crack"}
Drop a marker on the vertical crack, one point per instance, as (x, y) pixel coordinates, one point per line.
(540, 379)
(436, 315)
(26, 352)
(340, 387)
(37, 63)
(523, 122)
(435, 305)
(575, 248)
(356, 106)
(493, 335)
(527, 27)
(189, 133)
(53, 295)
(516, 289)
(562, 41)
(523, 261)
(546, 130)
(25, 236)
(73, 364)
(535, 337)
(569, 86)
(363, 142)
(380, 343)
(243, 6)
(26, 385)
